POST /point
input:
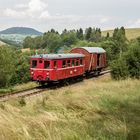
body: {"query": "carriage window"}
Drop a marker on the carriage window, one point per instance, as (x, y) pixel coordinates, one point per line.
(73, 63)
(46, 64)
(34, 63)
(77, 62)
(68, 62)
(40, 61)
(64, 64)
(55, 64)
(81, 61)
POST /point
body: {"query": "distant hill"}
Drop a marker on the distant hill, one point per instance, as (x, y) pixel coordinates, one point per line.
(21, 30)
(131, 33)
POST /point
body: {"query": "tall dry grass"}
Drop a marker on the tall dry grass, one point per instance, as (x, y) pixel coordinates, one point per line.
(94, 109)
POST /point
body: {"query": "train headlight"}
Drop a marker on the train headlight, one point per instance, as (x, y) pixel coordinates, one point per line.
(47, 73)
(32, 72)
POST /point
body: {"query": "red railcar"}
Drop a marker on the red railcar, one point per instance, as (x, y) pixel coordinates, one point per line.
(55, 67)
(95, 58)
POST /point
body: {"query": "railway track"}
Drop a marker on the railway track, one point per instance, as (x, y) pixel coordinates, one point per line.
(33, 91)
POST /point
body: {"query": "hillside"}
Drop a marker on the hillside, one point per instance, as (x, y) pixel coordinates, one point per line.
(131, 33)
(21, 31)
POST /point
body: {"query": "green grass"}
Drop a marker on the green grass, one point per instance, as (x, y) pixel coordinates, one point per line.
(97, 109)
(131, 33)
(17, 88)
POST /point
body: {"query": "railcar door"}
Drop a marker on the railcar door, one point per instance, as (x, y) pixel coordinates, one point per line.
(55, 66)
(98, 60)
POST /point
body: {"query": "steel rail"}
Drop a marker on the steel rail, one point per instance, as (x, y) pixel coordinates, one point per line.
(32, 91)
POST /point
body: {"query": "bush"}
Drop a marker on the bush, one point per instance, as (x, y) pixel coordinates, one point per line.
(128, 65)
(119, 69)
(6, 66)
(133, 59)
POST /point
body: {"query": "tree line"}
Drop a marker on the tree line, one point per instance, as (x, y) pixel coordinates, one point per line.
(53, 41)
(123, 56)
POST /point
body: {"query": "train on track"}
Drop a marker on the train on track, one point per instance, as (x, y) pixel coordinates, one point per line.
(47, 68)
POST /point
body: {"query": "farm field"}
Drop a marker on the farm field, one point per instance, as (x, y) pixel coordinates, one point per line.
(131, 33)
(98, 108)
(2, 43)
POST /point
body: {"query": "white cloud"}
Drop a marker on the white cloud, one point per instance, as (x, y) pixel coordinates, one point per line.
(134, 23)
(104, 20)
(37, 6)
(13, 13)
(34, 9)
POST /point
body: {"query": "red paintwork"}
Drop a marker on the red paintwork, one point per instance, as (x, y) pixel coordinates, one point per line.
(91, 59)
(55, 74)
(92, 62)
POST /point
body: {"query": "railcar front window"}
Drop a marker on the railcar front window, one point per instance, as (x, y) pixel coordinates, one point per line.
(46, 64)
(34, 63)
(81, 62)
(77, 62)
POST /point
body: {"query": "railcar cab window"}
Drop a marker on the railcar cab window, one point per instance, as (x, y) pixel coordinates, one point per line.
(46, 64)
(64, 64)
(55, 64)
(81, 61)
(34, 63)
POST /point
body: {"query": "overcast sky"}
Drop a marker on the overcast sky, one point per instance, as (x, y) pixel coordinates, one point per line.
(71, 14)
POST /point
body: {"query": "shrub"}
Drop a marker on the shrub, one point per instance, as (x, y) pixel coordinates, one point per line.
(119, 69)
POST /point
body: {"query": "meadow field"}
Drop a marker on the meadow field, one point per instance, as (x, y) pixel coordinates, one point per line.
(95, 109)
(131, 33)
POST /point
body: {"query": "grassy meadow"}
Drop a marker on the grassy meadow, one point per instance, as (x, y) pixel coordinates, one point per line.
(131, 33)
(95, 109)
(18, 87)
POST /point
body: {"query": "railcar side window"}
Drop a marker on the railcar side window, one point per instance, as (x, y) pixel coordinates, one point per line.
(34, 63)
(77, 62)
(46, 64)
(81, 61)
(68, 63)
(64, 64)
(40, 61)
(55, 64)
(73, 63)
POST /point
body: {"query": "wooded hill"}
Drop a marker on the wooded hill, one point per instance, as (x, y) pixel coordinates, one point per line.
(21, 30)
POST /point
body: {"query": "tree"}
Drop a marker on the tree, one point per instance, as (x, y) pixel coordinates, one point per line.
(128, 65)
(107, 35)
(120, 40)
(6, 65)
(88, 33)
(21, 73)
(52, 42)
(69, 38)
(119, 69)
(28, 42)
(80, 34)
(133, 59)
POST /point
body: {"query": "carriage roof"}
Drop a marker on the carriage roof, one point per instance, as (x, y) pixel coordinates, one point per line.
(94, 49)
(58, 56)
